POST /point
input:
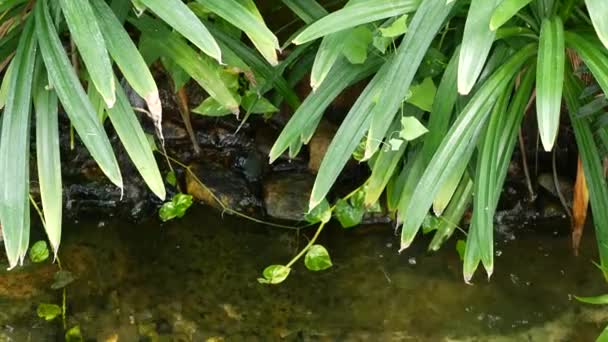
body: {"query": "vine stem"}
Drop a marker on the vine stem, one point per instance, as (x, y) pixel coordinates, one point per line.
(310, 243)
(224, 207)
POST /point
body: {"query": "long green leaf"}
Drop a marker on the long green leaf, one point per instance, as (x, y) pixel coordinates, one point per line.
(476, 43)
(307, 10)
(87, 35)
(48, 157)
(593, 55)
(129, 61)
(312, 109)
(505, 11)
(550, 79)
(72, 96)
(453, 213)
(201, 68)
(598, 11)
(328, 53)
(592, 165)
(259, 65)
(180, 17)
(482, 227)
(361, 13)
(239, 16)
(463, 133)
(14, 150)
(135, 142)
(402, 68)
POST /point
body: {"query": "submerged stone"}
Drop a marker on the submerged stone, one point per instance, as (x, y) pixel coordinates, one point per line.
(286, 195)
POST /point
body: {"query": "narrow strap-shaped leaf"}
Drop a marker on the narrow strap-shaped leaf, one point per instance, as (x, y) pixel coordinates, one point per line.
(87, 35)
(239, 16)
(307, 10)
(592, 164)
(48, 157)
(129, 61)
(444, 196)
(361, 13)
(482, 227)
(453, 213)
(328, 53)
(346, 140)
(15, 151)
(259, 65)
(136, 144)
(402, 68)
(386, 163)
(462, 134)
(598, 11)
(64, 81)
(201, 68)
(593, 56)
(180, 17)
(505, 11)
(312, 109)
(550, 79)
(476, 43)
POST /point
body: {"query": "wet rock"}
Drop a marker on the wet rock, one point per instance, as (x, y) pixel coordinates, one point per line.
(224, 185)
(286, 195)
(319, 143)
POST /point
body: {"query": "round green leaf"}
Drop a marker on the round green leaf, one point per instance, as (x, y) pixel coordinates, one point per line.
(39, 252)
(48, 311)
(317, 258)
(321, 213)
(274, 274)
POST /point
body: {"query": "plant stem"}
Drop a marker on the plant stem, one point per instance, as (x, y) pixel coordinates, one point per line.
(310, 243)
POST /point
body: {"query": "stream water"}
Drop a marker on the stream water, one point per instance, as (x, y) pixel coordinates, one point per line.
(195, 280)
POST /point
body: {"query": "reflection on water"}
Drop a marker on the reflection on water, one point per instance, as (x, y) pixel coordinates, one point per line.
(195, 280)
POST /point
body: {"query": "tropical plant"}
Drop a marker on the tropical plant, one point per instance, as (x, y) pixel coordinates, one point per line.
(512, 51)
(40, 71)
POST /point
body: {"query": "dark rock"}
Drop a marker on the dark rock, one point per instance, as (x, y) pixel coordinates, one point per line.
(286, 195)
(224, 185)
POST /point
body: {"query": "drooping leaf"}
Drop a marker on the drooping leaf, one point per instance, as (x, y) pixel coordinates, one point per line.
(423, 94)
(307, 10)
(457, 144)
(48, 158)
(593, 167)
(136, 144)
(239, 16)
(476, 43)
(180, 17)
(597, 300)
(348, 215)
(411, 128)
(72, 95)
(14, 150)
(597, 11)
(350, 16)
(550, 80)
(400, 71)
(505, 11)
(62, 279)
(87, 35)
(129, 61)
(206, 72)
(397, 28)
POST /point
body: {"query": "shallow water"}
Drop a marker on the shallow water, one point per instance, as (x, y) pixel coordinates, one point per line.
(195, 280)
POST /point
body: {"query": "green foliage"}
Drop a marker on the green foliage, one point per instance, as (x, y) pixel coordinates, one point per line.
(39, 252)
(176, 208)
(317, 258)
(274, 274)
(62, 279)
(74, 334)
(48, 311)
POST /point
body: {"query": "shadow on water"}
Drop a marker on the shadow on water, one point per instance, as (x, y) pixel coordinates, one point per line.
(195, 280)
